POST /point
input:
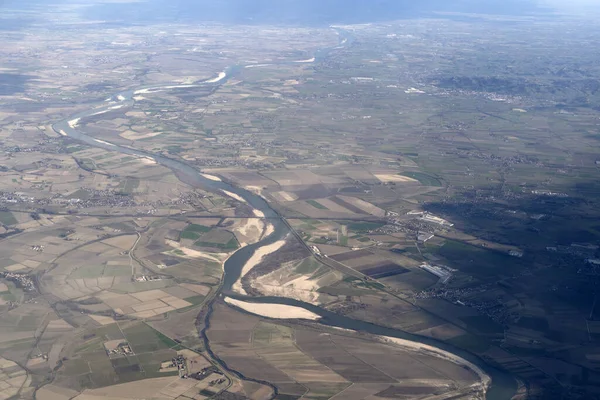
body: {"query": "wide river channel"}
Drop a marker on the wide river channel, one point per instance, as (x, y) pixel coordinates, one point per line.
(503, 385)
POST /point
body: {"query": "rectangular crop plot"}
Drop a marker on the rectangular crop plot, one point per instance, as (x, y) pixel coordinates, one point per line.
(316, 204)
(383, 269)
(364, 226)
(219, 239)
(217, 236)
(7, 218)
(423, 178)
(143, 338)
(351, 255)
(338, 359)
(347, 205)
(197, 228)
(189, 235)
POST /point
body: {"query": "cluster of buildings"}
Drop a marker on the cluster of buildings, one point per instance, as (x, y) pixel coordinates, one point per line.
(441, 271)
(123, 349)
(495, 309)
(21, 280)
(147, 278)
(179, 362)
(421, 225)
(206, 372)
(549, 193)
(428, 217)
(15, 198)
(97, 198)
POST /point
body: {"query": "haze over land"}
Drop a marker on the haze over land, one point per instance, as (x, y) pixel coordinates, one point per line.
(299, 199)
(307, 12)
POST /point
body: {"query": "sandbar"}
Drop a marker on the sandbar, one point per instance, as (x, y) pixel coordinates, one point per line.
(74, 122)
(212, 177)
(306, 61)
(234, 196)
(221, 76)
(278, 311)
(103, 142)
(439, 353)
(257, 257)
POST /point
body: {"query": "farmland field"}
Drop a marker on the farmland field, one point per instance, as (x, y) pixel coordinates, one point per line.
(424, 178)
(178, 199)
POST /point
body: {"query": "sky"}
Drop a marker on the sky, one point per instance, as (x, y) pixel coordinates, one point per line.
(571, 5)
(304, 11)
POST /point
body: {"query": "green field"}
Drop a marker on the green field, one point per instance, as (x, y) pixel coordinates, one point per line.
(477, 261)
(362, 226)
(218, 238)
(129, 185)
(91, 366)
(343, 240)
(7, 218)
(88, 271)
(470, 343)
(230, 245)
(197, 228)
(195, 300)
(316, 204)
(482, 324)
(423, 178)
(307, 266)
(194, 232)
(80, 194)
(189, 235)
(116, 270)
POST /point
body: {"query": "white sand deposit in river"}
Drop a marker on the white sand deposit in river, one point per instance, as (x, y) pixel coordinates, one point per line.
(103, 142)
(74, 122)
(413, 90)
(212, 177)
(255, 189)
(439, 353)
(306, 61)
(161, 88)
(302, 288)
(99, 112)
(257, 65)
(279, 311)
(234, 196)
(259, 213)
(221, 76)
(257, 257)
(269, 230)
(252, 229)
(146, 91)
(148, 160)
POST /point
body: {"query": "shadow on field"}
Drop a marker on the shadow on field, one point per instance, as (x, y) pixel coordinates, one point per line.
(557, 233)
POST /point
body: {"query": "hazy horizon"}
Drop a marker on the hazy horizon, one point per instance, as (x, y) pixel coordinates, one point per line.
(307, 12)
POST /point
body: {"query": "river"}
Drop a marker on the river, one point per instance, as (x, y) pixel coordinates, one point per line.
(503, 385)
